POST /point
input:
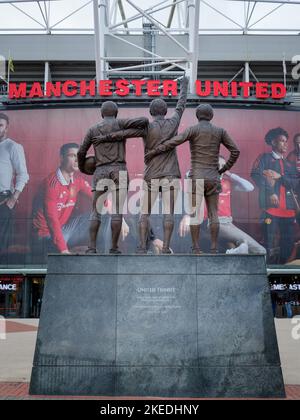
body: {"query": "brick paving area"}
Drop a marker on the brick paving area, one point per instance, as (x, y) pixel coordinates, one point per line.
(293, 392)
(16, 327)
(20, 391)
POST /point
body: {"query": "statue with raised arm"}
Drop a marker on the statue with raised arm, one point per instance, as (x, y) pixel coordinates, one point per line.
(205, 142)
(162, 173)
(110, 169)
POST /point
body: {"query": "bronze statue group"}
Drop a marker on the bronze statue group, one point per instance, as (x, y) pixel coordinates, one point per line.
(162, 174)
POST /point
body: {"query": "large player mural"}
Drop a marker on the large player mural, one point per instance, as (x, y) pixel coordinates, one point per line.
(45, 202)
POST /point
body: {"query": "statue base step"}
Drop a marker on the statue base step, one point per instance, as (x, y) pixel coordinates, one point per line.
(167, 326)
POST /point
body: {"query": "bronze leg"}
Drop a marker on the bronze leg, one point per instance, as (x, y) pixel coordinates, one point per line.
(144, 222)
(212, 203)
(96, 219)
(117, 218)
(196, 219)
(169, 199)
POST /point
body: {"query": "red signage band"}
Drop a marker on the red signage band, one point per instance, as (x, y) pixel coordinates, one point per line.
(152, 88)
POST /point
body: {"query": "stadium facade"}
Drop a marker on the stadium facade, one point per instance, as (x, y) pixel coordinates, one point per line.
(142, 46)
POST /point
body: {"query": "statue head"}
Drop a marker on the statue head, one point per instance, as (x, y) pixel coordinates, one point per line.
(109, 109)
(158, 108)
(205, 112)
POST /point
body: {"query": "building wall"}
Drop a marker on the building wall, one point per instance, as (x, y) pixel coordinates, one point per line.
(43, 132)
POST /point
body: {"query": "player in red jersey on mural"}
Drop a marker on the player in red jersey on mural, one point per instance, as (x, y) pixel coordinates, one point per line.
(53, 222)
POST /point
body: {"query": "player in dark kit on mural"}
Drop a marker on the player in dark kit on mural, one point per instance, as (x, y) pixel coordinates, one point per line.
(13, 178)
(276, 177)
(294, 159)
(162, 173)
(205, 143)
(54, 227)
(111, 174)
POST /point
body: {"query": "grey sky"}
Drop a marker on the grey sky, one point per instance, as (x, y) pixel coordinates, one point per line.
(286, 17)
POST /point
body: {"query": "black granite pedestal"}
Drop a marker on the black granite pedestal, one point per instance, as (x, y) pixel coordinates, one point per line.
(166, 326)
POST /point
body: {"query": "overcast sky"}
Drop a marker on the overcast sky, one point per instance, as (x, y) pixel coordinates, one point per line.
(286, 16)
